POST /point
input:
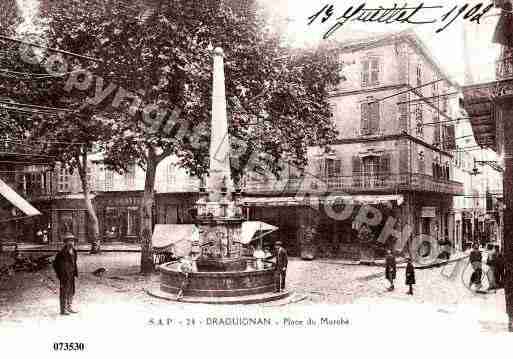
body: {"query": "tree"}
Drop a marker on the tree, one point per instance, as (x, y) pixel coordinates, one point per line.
(156, 53)
(46, 115)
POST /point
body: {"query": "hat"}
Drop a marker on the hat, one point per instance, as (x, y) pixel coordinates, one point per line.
(278, 243)
(68, 237)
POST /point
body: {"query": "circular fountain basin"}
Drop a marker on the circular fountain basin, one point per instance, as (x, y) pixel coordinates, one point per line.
(231, 287)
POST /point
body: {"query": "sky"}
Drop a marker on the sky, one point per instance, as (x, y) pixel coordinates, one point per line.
(446, 47)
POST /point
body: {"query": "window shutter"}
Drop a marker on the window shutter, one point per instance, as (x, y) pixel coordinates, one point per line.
(357, 171)
(374, 116)
(365, 73)
(338, 167)
(364, 117)
(320, 167)
(374, 77)
(421, 164)
(385, 165)
(449, 138)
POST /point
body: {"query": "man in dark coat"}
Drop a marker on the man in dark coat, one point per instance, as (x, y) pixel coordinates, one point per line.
(281, 266)
(410, 276)
(390, 269)
(499, 268)
(65, 265)
(476, 261)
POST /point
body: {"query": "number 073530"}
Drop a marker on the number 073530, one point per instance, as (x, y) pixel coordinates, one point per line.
(68, 346)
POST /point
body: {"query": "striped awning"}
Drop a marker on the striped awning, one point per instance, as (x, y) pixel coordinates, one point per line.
(309, 201)
(17, 201)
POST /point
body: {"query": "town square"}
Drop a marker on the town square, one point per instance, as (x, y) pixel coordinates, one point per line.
(254, 163)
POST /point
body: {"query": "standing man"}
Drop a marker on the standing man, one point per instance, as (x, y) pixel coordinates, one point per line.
(65, 265)
(476, 259)
(390, 269)
(281, 266)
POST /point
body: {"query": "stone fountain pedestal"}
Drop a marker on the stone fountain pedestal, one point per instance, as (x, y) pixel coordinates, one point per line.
(215, 269)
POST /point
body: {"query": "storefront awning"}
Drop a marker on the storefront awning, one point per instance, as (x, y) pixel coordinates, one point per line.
(17, 201)
(309, 201)
(174, 237)
(253, 230)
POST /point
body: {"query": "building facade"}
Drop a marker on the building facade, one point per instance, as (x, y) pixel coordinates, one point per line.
(394, 153)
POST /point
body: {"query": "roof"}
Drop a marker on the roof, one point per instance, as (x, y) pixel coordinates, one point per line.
(359, 41)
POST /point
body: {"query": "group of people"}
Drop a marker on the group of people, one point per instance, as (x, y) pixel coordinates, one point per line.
(391, 271)
(494, 273)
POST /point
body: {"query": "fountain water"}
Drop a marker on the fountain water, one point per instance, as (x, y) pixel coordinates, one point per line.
(215, 270)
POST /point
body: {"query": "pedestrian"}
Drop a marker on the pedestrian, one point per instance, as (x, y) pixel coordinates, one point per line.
(476, 259)
(491, 262)
(65, 266)
(390, 269)
(410, 276)
(185, 267)
(499, 268)
(281, 266)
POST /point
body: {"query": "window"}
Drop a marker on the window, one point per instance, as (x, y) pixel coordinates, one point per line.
(64, 180)
(130, 177)
(171, 174)
(34, 183)
(369, 116)
(109, 180)
(370, 170)
(419, 76)
(422, 162)
(370, 71)
(419, 119)
(333, 167)
(90, 179)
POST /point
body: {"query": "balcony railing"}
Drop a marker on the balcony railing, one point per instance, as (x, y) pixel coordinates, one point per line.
(504, 67)
(356, 184)
(10, 147)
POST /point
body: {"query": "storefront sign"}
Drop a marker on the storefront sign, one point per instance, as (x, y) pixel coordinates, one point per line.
(122, 202)
(429, 212)
(36, 168)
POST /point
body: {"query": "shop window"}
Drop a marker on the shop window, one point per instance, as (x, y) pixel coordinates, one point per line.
(425, 225)
(132, 223)
(66, 222)
(112, 223)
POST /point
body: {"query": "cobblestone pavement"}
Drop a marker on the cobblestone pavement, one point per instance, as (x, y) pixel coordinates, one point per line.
(32, 298)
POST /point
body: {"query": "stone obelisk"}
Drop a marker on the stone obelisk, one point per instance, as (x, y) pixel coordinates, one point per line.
(219, 180)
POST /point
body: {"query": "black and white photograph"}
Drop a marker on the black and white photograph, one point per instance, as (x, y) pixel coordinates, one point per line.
(226, 175)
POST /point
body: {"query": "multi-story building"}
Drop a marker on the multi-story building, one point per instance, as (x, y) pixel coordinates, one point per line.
(116, 198)
(394, 151)
(478, 212)
(25, 191)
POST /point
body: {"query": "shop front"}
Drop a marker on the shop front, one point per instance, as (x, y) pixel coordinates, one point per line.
(119, 216)
(15, 211)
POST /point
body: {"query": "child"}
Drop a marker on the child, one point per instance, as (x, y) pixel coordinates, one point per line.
(390, 269)
(410, 276)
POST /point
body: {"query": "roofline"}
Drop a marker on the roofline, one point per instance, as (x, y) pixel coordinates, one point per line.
(406, 35)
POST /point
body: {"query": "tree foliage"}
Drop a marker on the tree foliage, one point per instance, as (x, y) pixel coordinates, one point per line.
(277, 96)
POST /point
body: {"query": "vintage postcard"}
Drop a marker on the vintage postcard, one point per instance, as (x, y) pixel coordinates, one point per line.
(207, 177)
